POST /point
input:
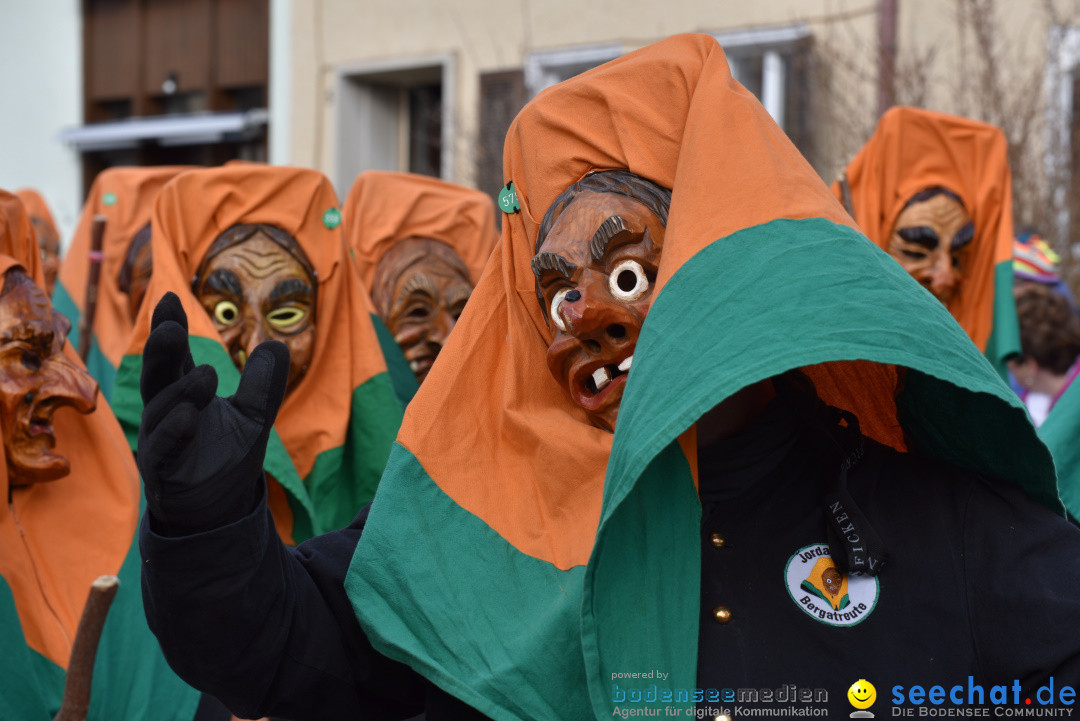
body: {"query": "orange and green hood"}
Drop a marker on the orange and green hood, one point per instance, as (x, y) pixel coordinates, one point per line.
(55, 538)
(583, 548)
(334, 430)
(914, 149)
(384, 208)
(125, 196)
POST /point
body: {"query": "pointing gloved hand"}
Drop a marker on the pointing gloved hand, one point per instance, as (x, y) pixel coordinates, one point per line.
(201, 456)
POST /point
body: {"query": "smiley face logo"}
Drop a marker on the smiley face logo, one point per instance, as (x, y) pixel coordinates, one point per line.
(862, 694)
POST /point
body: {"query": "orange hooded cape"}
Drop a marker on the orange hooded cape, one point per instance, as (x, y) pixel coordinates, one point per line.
(125, 196)
(383, 208)
(334, 430)
(38, 210)
(914, 149)
(56, 537)
(584, 549)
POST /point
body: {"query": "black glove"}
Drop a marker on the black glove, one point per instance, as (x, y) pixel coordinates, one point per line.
(201, 456)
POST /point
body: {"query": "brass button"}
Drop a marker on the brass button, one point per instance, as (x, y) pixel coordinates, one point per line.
(722, 614)
(716, 540)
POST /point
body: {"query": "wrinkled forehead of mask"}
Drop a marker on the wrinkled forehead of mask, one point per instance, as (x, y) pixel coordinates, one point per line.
(406, 254)
(654, 197)
(240, 233)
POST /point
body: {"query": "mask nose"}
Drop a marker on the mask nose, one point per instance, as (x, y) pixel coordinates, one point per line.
(440, 328)
(251, 341)
(598, 323)
(943, 278)
(66, 384)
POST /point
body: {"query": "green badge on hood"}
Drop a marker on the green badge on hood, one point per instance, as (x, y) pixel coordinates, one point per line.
(109, 199)
(331, 218)
(508, 200)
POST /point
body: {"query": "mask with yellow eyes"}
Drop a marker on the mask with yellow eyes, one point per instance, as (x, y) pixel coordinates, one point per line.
(256, 284)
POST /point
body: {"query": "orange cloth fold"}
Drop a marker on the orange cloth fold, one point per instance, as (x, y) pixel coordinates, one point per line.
(383, 208)
(37, 208)
(125, 196)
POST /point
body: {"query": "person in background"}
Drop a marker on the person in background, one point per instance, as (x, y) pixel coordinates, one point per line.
(1046, 370)
(1050, 346)
(420, 245)
(255, 252)
(935, 192)
(73, 503)
(125, 197)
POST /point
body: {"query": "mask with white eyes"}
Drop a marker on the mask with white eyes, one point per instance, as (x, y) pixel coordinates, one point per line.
(595, 270)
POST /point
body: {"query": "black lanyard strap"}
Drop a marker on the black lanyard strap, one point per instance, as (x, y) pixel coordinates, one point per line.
(856, 548)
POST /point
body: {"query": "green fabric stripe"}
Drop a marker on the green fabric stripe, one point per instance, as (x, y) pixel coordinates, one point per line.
(343, 479)
(1004, 338)
(492, 626)
(643, 584)
(1061, 433)
(401, 376)
(97, 364)
(131, 678)
(834, 296)
(127, 406)
(32, 686)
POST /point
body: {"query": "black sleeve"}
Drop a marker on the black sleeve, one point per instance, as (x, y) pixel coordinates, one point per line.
(1022, 564)
(268, 629)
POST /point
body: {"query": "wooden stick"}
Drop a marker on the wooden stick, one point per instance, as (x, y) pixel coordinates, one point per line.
(93, 280)
(80, 672)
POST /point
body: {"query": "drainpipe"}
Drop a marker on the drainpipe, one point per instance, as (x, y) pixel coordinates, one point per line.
(886, 54)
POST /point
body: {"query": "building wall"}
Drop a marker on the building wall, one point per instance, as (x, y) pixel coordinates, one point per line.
(482, 37)
(937, 56)
(41, 84)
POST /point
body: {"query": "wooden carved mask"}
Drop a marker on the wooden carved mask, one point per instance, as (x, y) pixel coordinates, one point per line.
(595, 266)
(36, 379)
(257, 284)
(931, 239)
(420, 289)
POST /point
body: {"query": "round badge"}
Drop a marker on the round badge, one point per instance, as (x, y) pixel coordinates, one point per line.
(825, 594)
(331, 218)
(508, 200)
(109, 199)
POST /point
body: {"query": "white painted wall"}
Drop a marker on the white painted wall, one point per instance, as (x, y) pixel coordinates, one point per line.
(281, 67)
(41, 87)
